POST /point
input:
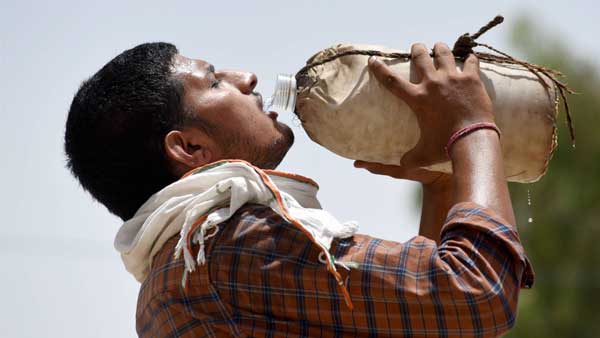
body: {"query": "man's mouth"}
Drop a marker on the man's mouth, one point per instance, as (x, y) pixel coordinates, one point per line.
(259, 99)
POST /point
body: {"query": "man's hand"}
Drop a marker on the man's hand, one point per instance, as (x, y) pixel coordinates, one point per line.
(443, 98)
(423, 176)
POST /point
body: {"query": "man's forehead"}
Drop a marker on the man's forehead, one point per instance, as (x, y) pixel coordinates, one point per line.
(195, 67)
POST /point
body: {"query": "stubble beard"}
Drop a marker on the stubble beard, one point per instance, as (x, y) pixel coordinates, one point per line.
(279, 148)
(264, 157)
(272, 156)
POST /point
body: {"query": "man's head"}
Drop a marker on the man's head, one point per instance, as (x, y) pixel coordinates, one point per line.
(150, 115)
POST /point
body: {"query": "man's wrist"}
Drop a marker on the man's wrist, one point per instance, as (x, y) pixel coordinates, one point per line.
(474, 143)
(466, 130)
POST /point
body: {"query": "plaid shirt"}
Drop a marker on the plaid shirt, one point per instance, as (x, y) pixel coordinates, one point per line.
(263, 278)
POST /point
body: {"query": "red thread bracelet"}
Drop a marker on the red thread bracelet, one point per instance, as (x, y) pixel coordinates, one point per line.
(469, 129)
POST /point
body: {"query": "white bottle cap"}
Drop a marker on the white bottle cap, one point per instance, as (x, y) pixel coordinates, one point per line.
(284, 96)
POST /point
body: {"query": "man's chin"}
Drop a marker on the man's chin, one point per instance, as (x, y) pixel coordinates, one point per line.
(288, 134)
(279, 148)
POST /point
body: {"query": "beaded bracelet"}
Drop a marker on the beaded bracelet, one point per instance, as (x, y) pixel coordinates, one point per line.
(469, 129)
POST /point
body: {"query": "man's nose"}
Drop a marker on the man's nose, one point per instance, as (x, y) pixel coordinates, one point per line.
(244, 81)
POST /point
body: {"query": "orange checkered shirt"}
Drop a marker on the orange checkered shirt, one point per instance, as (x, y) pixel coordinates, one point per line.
(263, 278)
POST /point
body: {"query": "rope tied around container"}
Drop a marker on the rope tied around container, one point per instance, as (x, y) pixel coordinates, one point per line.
(462, 48)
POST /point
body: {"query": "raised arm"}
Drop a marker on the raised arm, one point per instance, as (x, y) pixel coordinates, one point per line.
(467, 284)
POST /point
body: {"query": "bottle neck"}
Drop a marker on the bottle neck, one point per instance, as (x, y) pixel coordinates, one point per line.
(284, 96)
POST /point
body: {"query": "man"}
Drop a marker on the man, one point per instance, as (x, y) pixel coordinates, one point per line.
(151, 115)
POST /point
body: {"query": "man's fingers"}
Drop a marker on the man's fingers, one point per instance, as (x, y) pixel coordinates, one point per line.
(382, 169)
(417, 174)
(373, 167)
(471, 65)
(392, 81)
(443, 58)
(421, 60)
(367, 165)
(359, 164)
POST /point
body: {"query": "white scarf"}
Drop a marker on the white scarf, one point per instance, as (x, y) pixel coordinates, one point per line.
(208, 196)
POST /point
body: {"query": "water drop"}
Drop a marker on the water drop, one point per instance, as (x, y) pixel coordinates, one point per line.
(530, 219)
(296, 121)
(267, 104)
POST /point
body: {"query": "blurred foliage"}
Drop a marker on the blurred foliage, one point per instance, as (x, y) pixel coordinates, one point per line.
(562, 242)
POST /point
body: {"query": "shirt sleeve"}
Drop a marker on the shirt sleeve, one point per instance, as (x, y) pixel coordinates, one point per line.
(467, 286)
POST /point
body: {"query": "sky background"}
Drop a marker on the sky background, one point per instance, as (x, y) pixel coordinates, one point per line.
(61, 275)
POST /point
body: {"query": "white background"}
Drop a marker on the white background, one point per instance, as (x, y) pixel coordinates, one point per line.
(60, 274)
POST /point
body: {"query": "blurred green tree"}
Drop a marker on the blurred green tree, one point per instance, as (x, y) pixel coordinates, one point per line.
(563, 241)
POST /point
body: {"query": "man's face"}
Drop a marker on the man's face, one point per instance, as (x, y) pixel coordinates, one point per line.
(225, 99)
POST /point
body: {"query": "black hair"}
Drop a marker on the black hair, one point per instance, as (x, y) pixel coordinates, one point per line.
(116, 126)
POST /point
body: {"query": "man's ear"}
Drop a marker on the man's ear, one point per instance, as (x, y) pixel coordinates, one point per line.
(188, 149)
